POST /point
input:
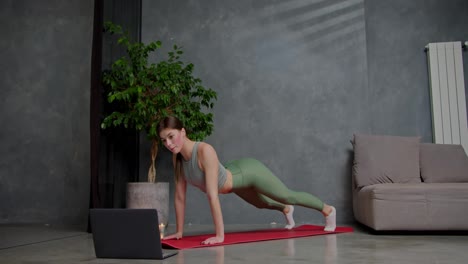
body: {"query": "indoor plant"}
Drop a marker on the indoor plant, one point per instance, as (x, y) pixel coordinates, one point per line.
(143, 93)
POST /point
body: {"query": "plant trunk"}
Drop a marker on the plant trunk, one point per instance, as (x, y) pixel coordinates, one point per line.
(152, 169)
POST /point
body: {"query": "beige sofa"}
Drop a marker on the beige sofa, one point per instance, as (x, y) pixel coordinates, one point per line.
(402, 184)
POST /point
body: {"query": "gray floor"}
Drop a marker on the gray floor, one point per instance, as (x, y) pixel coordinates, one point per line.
(46, 244)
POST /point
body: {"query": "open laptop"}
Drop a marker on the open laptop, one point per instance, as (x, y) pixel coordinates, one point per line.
(127, 233)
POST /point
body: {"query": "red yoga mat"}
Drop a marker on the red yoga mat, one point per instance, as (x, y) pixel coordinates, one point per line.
(252, 236)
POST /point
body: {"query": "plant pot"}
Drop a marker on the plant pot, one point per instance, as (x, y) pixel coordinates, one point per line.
(150, 195)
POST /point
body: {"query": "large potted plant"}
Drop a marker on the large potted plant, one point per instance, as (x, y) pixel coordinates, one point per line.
(143, 93)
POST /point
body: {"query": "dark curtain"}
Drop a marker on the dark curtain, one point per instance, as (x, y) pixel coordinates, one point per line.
(115, 151)
(95, 105)
(96, 62)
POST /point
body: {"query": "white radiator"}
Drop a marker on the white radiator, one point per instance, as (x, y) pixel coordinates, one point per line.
(449, 120)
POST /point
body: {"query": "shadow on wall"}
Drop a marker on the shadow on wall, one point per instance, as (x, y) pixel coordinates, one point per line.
(323, 26)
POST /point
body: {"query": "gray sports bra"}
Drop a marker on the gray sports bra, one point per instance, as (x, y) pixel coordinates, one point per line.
(195, 176)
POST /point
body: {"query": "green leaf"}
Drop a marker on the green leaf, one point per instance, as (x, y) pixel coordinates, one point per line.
(141, 92)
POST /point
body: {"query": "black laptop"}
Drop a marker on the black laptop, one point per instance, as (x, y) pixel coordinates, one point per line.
(127, 233)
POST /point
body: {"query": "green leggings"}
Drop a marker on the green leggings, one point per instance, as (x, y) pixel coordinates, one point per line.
(257, 185)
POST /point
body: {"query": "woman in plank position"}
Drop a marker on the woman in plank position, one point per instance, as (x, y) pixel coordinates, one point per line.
(198, 164)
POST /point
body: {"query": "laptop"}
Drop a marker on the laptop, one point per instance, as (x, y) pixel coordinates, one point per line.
(127, 233)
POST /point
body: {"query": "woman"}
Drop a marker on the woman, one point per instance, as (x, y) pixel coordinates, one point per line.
(198, 164)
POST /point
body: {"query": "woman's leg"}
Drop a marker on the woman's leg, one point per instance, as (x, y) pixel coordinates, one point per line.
(258, 200)
(254, 175)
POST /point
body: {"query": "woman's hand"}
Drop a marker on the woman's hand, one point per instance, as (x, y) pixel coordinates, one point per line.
(173, 236)
(213, 240)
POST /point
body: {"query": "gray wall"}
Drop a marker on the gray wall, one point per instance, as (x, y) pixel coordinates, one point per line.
(397, 32)
(295, 79)
(290, 77)
(45, 88)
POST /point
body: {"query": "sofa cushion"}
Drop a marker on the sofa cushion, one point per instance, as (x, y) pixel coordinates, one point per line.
(413, 206)
(443, 163)
(385, 159)
(421, 192)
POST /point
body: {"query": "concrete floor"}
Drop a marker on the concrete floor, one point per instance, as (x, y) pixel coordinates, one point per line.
(46, 244)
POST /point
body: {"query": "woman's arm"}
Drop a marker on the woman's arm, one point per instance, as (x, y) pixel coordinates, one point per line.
(209, 163)
(179, 202)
